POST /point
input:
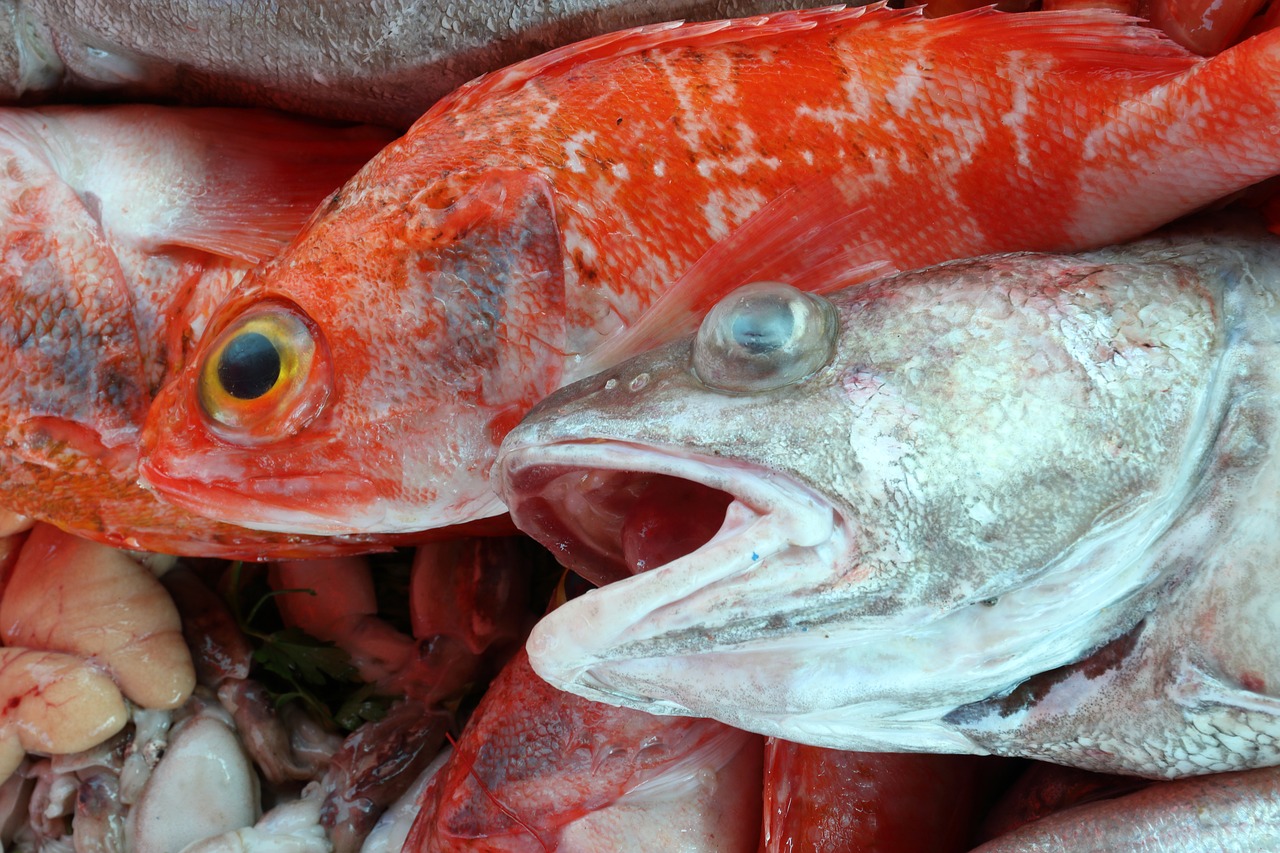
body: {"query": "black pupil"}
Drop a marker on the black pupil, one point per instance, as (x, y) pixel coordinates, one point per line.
(762, 327)
(249, 367)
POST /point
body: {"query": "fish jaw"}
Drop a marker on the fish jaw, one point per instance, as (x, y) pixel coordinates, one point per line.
(749, 629)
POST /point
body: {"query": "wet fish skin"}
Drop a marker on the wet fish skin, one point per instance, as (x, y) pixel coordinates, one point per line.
(984, 526)
(1224, 813)
(382, 63)
(535, 216)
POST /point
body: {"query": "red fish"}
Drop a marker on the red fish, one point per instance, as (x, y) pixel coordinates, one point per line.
(481, 261)
(121, 229)
(827, 800)
(538, 769)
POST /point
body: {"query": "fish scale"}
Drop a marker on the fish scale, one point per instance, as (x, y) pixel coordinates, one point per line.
(655, 169)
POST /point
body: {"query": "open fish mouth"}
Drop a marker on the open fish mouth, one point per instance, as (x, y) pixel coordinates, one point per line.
(611, 509)
(738, 592)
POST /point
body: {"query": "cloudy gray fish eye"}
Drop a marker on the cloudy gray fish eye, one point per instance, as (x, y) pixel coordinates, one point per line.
(764, 335)
(762, 326)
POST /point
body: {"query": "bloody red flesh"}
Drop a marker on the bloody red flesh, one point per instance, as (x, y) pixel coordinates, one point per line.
(669, 519)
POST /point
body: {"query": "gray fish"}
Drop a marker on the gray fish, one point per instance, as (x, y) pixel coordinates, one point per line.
(380, 62)
(1025, 504)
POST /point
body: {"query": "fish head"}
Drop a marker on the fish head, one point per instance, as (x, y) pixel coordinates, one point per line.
(361, 382)
(836, 521)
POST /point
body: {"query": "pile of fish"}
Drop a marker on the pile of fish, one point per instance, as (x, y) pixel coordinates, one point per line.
(826, 348)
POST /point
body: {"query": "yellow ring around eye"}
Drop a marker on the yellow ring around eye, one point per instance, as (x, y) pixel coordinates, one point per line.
(264, 377)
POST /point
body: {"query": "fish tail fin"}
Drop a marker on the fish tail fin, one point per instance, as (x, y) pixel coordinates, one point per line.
(1205, 133)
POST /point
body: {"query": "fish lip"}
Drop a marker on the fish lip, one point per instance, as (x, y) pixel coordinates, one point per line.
(219, 500)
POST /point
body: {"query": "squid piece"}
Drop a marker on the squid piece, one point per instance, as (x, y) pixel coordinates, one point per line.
(218, 647)
(204, 786)
(293, 827)
(53, 703)
(392, 829)
(71, 595)
(376, 764)
(285, 743)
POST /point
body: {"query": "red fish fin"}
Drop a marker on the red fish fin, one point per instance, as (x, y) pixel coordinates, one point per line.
(671, 35)
(800, 238)
(706, 747)
(1093, 38)
(264, 175)
(1080, 40)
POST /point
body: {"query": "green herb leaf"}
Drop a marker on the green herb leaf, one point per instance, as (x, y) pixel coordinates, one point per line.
(295, 655)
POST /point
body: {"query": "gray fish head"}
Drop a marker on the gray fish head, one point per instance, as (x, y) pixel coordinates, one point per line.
(838, 520)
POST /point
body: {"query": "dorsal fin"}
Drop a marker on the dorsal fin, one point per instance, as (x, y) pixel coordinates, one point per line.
(1100, 39)
(233, 182)
(673, 34)
(265, 174)
(1082, 39)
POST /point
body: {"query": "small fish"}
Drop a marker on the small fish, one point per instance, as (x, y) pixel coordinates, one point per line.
(121, 228)
(1024, 505)
(561, 214)
(383, 63)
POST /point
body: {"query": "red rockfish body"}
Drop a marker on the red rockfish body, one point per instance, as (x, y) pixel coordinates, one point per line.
(530, 222)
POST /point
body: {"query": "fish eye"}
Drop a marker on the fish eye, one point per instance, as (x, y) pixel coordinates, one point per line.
(265, 376)
(764, 335)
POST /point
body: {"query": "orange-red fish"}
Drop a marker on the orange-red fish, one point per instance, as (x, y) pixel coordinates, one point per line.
(362, 380)
(120, 230)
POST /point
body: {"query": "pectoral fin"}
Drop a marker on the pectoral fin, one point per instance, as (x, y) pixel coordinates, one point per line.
(799, 238)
